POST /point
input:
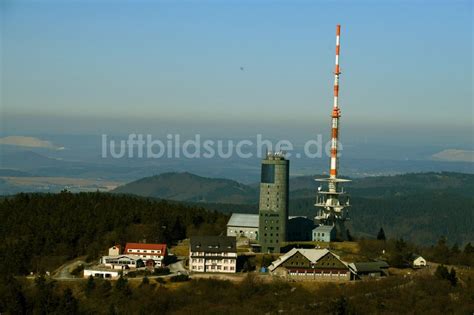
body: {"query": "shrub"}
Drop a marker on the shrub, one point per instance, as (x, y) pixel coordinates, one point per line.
(179, 278)
(161, 271)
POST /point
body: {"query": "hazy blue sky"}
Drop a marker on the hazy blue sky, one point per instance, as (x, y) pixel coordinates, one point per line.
(118, 66)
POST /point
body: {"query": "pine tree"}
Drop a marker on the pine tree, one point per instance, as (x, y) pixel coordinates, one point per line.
(381, 235)
(90, 286)
(442, 272)
(121, 286)
(145, 281)
(468, 249)
(68, 303)
(452, 277)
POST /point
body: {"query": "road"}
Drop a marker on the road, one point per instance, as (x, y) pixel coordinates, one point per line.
(64, 272)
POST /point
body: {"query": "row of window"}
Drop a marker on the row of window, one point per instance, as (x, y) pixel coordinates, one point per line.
(271, 234)
(269, 240)
(318, 274)
(224, 254)
(144, 251)
(271, 221)
(213, 261)
(225, 268)
(242, 232)
(271, 228)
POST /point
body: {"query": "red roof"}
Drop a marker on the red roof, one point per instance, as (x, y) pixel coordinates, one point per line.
(160, 247)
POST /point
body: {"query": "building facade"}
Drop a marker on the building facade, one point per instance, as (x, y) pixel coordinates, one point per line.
(417, 261)
(369, 270)
(324, 233)
(157, 252)
(243, 225)
(102, 273)
(213, 254)
(311, 264)
(273, 202)
(115, 250)
(122, 261)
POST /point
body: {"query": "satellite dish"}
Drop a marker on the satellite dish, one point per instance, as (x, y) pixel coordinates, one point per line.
(319, 188)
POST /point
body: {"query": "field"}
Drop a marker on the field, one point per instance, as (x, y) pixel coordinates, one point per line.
(53, 184)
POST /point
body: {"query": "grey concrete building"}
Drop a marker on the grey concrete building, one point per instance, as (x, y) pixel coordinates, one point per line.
(243, 225)
(273, 204)
(324, 233)
(246, 225)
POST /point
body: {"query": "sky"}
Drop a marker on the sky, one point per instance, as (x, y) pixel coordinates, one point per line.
(235, 68)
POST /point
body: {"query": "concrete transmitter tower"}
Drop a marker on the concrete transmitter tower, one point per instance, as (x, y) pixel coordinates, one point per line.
(331, 201)
(273, 205)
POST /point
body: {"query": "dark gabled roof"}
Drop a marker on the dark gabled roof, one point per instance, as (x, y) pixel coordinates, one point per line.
(370, 266)
(213, 244)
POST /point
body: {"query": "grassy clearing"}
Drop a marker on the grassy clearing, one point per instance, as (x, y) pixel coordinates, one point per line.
(182, 249)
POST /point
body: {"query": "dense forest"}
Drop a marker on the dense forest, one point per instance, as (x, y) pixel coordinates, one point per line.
(420, 218)
(442, 293)
(41, 231)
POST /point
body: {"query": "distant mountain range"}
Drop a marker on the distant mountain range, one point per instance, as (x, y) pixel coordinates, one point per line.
(419, 207)
(190, 187)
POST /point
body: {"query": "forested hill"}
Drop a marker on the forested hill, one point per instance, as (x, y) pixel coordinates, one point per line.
(41, 231)
(189, 187)
(397, 185)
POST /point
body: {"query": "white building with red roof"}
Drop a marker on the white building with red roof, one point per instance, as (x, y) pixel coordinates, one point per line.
(157, 252)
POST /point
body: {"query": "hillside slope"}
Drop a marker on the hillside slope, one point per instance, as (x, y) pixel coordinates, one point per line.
(190, 187)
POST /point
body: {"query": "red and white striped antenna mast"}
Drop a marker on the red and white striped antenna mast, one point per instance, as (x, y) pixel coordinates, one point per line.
(336, 112)
(331, 209)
